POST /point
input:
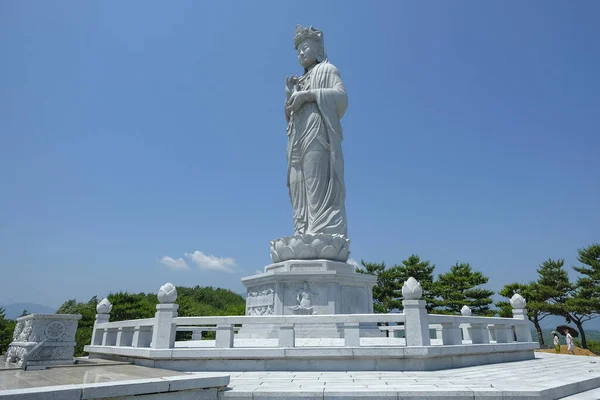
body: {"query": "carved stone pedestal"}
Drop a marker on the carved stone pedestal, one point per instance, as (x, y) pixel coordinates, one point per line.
(43, 339)
(307, 287)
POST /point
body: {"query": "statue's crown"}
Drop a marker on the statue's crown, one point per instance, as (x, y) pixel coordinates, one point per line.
(307, 33)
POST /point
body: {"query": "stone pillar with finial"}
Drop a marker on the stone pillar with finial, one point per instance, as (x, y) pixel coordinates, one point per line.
(163, 333)
(416, 319)
(522, 330)
(102, 315)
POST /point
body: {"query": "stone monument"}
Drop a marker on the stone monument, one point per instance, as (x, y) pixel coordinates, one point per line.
(310, 274)
(41, 340)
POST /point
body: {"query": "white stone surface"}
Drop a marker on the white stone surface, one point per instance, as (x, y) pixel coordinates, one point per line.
(104, 306)
(315, 103)
(517, 301)
(163, 333)
(548, 376)
(307, 287)
(109, 381)
(167, 293)
(306, 246)
(416, 325)
(411, 290)
(43, 339)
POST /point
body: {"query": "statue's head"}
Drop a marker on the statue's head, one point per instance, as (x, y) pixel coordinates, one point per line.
(309, 44)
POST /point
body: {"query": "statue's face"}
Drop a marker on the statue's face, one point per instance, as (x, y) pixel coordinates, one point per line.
(308, 52)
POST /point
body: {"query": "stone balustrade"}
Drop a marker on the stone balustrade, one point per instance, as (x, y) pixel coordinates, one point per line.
(159, 332)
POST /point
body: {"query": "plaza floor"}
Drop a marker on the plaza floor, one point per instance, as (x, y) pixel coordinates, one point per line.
(548, 376)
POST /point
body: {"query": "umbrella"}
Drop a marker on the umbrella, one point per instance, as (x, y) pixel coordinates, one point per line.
(572, 331)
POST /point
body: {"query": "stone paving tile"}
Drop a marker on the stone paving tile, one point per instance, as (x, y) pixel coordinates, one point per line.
(486, 382)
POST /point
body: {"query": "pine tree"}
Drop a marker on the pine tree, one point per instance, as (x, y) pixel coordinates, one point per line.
(388, 290)
(584, 303)
(459, 287)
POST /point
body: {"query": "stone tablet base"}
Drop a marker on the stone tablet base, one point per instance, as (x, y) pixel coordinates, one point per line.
(426, 358)
(308, 287)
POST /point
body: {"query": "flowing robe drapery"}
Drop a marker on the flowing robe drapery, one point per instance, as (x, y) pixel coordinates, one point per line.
(314, 154)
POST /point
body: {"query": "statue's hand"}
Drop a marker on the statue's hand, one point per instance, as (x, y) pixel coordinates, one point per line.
(290, 82)
(298, 99)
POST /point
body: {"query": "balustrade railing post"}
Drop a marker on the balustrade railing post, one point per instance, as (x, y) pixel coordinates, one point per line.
(501, 333)
(415, 313)
(492, 332)
(523, 332)
(351, 334)
(164, 330)
(103, 315)
(135, 341)
(479, 334)
(224, 336)
(196, 335)
(451, 333)
(287, 335)
(119, 337)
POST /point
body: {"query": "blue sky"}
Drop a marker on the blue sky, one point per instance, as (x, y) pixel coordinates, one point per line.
(136, 130)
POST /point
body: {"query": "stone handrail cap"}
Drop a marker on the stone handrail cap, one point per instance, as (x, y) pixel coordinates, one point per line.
(517, 301)
(411, 290)
(167, 293)
(104, 306)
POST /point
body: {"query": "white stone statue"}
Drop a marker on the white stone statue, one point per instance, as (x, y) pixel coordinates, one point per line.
(315, 103)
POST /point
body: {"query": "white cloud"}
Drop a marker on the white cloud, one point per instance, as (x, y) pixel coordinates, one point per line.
(174, 264)
(211, 262)
(354, 263)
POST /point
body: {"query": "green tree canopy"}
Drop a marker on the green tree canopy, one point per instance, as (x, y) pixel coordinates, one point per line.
(584, 302)
(7, 327)
(459, 287)
(388, 291)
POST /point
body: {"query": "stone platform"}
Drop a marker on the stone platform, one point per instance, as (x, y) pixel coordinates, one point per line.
(547, 377)
(107, 380)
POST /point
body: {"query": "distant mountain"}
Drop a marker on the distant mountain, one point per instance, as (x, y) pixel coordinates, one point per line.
(13, 311)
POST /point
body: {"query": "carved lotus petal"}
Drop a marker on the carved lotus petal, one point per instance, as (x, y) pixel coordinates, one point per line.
(296, 242)
(411, 290)
(337, 241)
(104, 306)
(274, 256)
(344, 255)
(517, 301)
(304, 251)
(167, 293)
(307, 239)
(465, 310)
(286, 253)
(318, 243)
(329, 252)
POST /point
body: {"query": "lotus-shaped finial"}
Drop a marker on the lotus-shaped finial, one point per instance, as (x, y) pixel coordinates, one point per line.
(167, 293)
(517, 301)
(411, 290)
(310, 246)
(104, 306)
(465, 311)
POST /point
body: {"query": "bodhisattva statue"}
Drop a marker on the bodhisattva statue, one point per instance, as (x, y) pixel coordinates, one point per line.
(315, 103)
